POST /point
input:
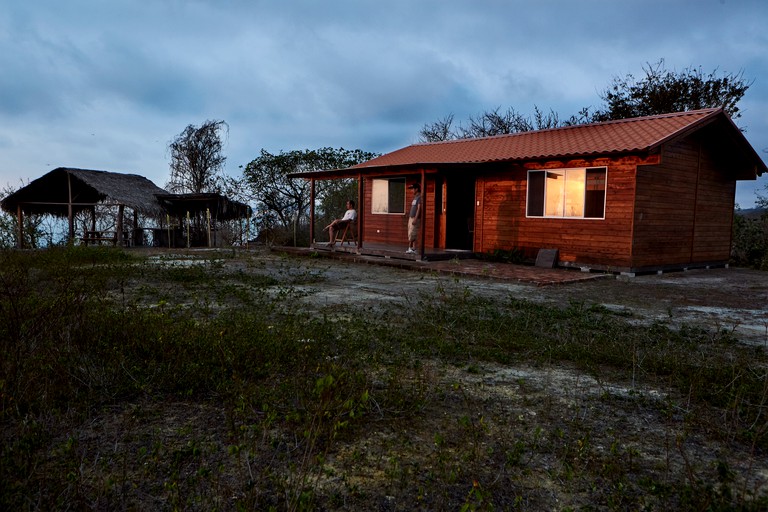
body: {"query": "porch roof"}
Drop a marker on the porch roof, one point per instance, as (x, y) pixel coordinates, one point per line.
(220, 207)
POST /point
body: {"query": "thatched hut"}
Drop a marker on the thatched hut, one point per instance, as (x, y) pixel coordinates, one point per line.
(65, 192)
(206, 210)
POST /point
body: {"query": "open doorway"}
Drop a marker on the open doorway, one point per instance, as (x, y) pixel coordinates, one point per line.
(460, 212)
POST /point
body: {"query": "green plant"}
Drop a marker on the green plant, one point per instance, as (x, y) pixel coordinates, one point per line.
(129, 382)
(515, 256)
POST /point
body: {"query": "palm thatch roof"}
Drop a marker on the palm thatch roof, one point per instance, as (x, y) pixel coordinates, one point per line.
(50, 194)
(220, 207)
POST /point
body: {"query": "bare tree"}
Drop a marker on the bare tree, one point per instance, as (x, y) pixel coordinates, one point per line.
(493, 122)
(489, 123)
(439, 130)
(196, 158)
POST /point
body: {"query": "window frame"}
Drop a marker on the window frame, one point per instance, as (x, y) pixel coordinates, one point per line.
(537, 207)
(400, 183)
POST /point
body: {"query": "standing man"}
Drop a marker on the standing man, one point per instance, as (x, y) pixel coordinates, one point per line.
(414, 219)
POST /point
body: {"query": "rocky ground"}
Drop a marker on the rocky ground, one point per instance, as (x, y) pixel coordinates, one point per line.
(551, 437)
(735, 299)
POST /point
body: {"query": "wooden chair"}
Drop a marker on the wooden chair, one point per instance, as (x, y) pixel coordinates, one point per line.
(349, 234)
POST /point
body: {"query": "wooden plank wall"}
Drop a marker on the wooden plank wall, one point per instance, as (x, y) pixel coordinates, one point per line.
(714, 214)
(670, 209)
(503, 225)
(665, 208)
(684, 209)
(393, 228)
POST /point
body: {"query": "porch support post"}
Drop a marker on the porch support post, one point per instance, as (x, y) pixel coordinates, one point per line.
(311, 211)
(360, 211)
(423, 218)
(20, 227)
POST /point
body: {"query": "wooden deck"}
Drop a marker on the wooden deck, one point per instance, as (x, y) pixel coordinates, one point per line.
(393, 251)
(465, 265)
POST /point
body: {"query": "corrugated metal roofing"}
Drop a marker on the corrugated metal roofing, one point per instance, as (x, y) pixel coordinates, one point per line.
(620, 136)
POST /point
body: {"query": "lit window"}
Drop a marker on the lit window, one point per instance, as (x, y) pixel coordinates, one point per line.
(572, 193)
(388, 196)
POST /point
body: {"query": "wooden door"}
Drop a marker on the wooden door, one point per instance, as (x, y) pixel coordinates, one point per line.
(440, 218)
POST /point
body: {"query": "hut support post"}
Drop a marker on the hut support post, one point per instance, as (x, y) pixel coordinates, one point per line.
(119, 239)
(208, 218)
(70, 216)
(135, 236)
(20, 227)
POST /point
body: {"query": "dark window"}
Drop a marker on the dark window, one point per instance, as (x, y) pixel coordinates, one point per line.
(536, 194)
(594, 195)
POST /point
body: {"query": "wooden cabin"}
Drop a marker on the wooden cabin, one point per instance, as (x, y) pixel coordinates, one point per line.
(632, 195)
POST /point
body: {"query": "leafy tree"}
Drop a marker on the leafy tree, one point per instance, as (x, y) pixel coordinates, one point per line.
(283, 203)
(662, 91)
(196, 158)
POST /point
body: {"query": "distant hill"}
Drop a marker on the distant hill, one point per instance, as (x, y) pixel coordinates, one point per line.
(751, 213)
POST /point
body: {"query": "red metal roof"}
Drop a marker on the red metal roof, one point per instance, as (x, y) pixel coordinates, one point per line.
(620, 136)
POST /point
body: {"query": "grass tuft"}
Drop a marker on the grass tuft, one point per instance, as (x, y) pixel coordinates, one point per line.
(130, 383)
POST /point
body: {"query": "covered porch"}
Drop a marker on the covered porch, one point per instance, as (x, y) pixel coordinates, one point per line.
(446, 230)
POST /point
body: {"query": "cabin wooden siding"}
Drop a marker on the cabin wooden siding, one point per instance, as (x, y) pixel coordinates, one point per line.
(607, 242)
(392, 228)
(684, 209)
(674, 208)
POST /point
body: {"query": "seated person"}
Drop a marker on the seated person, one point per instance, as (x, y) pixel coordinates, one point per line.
(349, 216)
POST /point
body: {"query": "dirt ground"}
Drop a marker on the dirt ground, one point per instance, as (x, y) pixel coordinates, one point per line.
(732, 299)
(735, 299)
(522, 398)
(550, 413)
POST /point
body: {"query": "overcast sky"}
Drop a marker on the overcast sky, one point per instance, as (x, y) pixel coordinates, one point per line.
(100, 84)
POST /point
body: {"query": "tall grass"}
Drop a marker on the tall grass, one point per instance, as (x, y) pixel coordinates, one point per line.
(98, 344)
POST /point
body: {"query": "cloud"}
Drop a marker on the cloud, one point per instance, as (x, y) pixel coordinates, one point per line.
(302, 74)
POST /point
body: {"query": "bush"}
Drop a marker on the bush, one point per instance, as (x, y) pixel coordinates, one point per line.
(750, 241)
